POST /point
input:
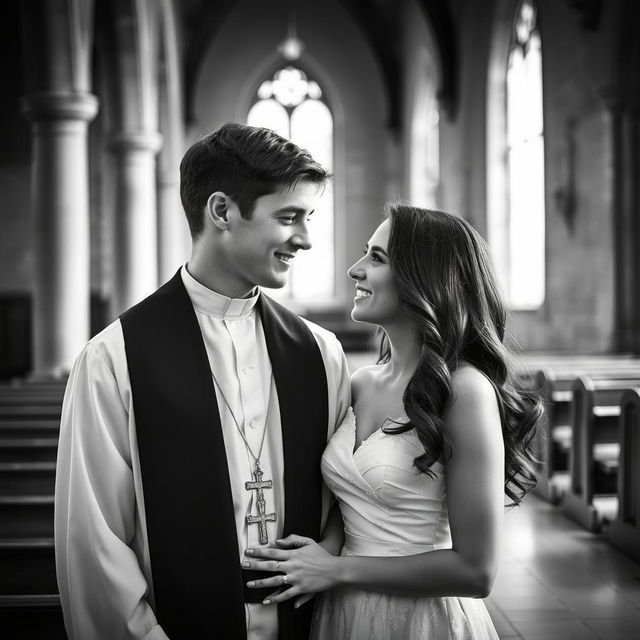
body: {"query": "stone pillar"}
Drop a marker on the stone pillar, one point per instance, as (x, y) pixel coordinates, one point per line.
(135, 268)
(624, 124)
(60, 200)
(173, 229)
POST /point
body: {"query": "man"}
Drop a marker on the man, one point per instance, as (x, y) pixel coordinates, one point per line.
(193, 426)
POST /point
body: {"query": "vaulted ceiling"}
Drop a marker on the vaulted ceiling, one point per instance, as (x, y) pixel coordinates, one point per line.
(379, 21)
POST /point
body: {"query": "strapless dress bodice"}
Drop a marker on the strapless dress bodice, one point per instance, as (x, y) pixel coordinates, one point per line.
(388, 506)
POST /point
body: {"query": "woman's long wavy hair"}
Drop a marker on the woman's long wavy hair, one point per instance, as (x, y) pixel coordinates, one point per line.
(446, 285)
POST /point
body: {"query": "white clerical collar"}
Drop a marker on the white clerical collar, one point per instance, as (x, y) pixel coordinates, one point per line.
(215, 304)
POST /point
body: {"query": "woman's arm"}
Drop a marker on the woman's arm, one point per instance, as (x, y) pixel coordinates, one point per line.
(332, 541)
(475, 497)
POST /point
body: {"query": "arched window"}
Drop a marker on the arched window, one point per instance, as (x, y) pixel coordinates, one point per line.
(424, 154)
(293, 105)
(525, 235)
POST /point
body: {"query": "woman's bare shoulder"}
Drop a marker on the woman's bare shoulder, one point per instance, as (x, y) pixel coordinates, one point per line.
(473, 401)
(469, 382)
(473, 395)
(363, 379)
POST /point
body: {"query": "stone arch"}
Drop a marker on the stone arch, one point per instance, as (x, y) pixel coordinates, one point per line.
(438, 17)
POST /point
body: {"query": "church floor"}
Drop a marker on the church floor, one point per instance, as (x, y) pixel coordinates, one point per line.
(557, 581)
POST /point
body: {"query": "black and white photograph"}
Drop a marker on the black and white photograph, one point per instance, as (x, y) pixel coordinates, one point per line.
(320, 320)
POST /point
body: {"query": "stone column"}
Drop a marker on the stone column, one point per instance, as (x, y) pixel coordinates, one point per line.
(173, 234)
(135, 268)
(627, 228)
(174, 242)
(60, 201)
(624, 127)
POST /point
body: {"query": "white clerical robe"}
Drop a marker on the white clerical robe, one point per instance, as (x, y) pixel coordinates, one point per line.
(102, 553)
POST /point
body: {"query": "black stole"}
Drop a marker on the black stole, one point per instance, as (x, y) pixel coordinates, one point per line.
(197, 578)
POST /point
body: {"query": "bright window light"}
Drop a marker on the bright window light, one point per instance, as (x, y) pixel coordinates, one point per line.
(292, 105)
(525, 280)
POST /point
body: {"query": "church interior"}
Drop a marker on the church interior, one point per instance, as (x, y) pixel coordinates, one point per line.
(522, 116)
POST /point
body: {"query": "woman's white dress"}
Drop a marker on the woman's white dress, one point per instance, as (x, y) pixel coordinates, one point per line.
(390, 509)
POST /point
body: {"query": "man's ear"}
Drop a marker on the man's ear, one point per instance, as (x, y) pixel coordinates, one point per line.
(217, 208)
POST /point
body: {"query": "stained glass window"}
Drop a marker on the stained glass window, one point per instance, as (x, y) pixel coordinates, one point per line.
(293, 105)
(525, 159)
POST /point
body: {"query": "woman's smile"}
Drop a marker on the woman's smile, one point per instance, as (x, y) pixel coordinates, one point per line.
(361, 292)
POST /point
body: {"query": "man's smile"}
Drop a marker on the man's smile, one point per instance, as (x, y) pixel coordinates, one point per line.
(285, 257)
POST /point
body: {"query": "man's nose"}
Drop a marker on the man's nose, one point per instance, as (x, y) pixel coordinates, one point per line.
(301, 238)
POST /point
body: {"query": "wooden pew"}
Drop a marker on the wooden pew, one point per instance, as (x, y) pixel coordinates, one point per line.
(553, 439)
(594, 448)
(552, 431)
(624, 532)
(528, 365)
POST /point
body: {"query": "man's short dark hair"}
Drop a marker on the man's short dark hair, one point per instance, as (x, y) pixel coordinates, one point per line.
(245, 163)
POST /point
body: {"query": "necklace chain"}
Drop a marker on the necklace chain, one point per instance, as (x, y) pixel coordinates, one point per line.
(256, 459)
(256, 484)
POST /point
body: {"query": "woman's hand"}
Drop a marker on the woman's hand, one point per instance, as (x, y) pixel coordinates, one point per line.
(307, 568)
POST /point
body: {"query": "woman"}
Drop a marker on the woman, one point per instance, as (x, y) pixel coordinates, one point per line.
(420, 467)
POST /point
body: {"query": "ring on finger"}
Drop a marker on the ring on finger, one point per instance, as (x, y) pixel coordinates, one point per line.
(284, 579)
(276, 565)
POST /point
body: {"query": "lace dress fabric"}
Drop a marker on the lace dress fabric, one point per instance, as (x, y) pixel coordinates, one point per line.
(390, 509)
